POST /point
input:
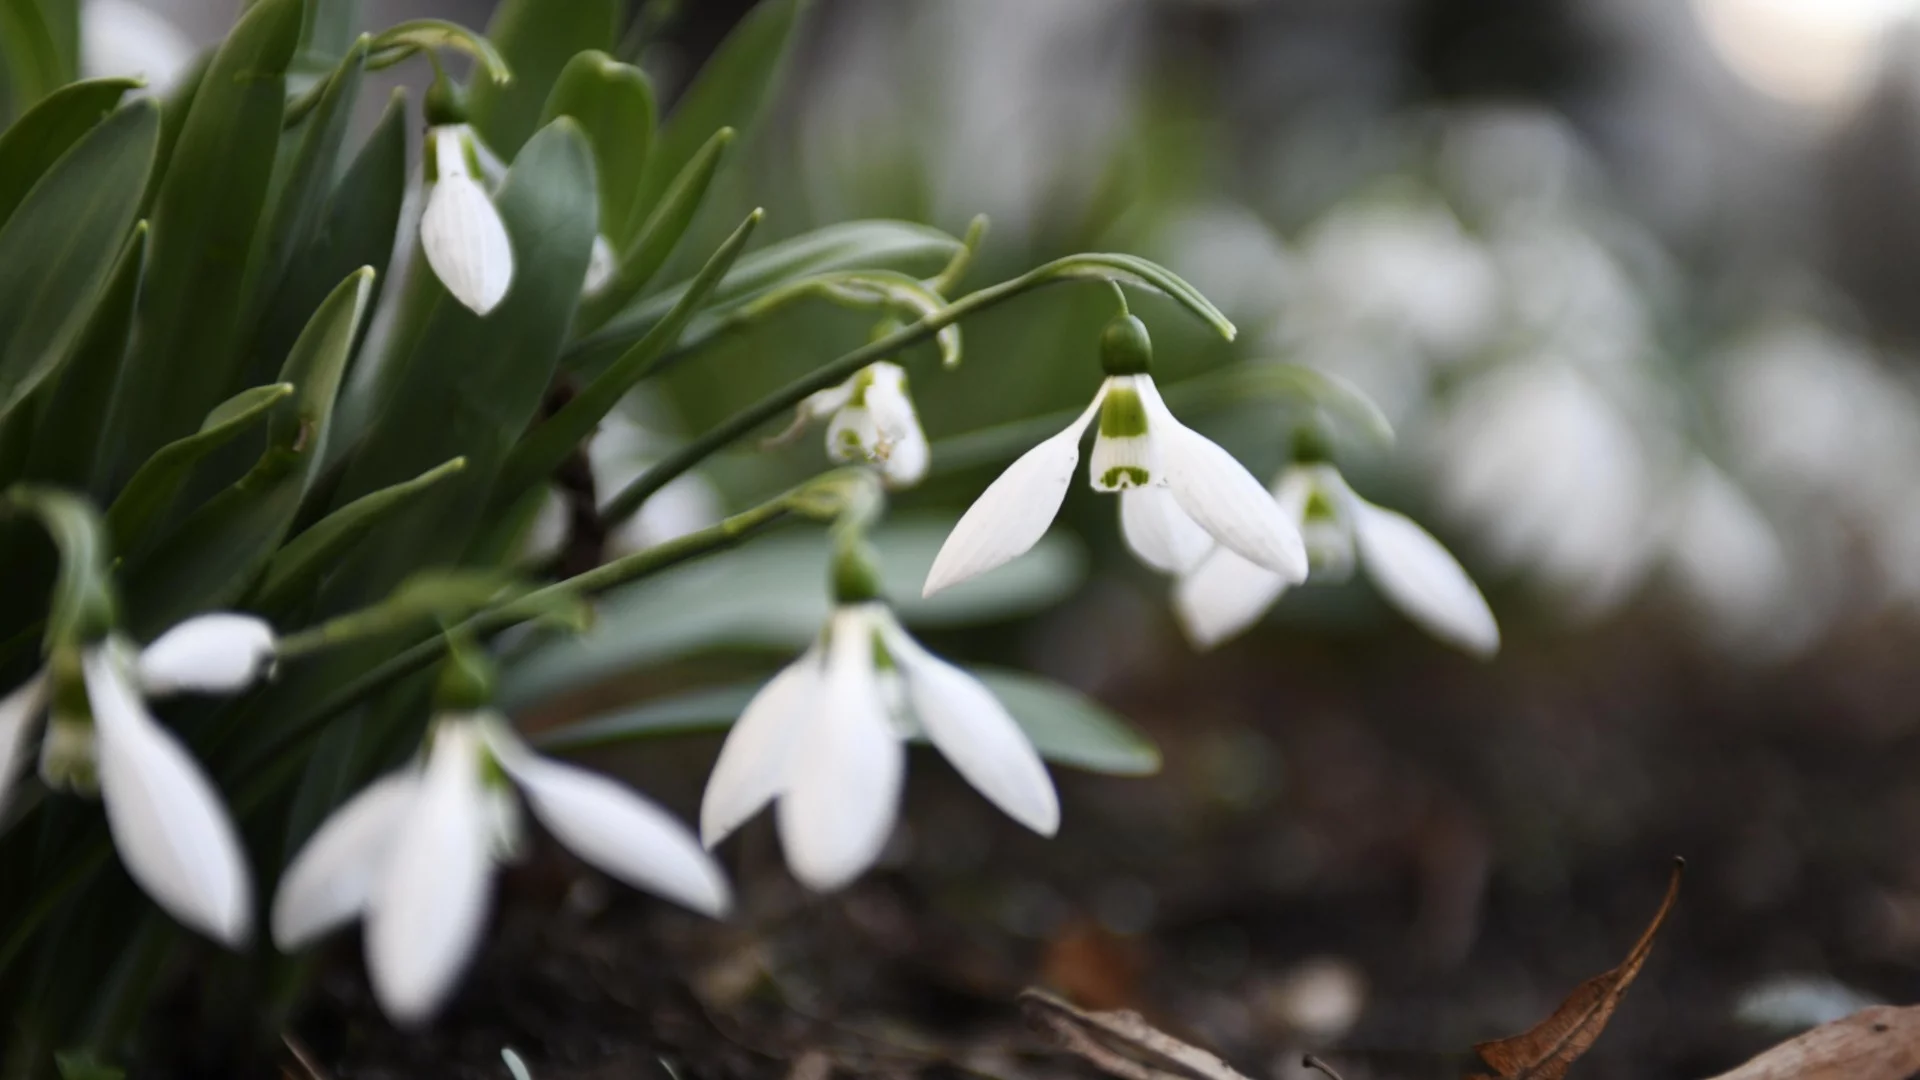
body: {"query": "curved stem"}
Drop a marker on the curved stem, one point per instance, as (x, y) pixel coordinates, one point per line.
(1101, 267)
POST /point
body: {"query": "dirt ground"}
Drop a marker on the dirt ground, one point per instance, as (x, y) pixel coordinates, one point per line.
(1380, 852)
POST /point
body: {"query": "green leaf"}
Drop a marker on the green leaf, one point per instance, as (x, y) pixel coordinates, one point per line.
(538, 38)
(773, 593)
(536, 457)
(204, 220)
(327, 28)
(58, 248)
(898, 245)
(40, 46)
(471, 384)
(360, 227)
(665, 226)
(729, 92)
(69, 433)
(147, 496)
(299, 566)
(298, 197)
(211, 559)
(35, 141)
(402, 40)
(613, 103)
(1065, 726)
(79, 1065)
(82, 605)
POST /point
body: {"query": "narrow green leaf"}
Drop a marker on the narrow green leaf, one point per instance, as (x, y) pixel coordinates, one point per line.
(898, 245)
(34, 142)
(402, 40)
(360, 227)
(538, 38)
(613, 103)
(204, 219)
(471, 384)
(82, 602)
(40, 46)
(729, 92)
(1066, 727)
(298, 196)
(660, 235)
(58, 248)
(536, 457)
(148, 495)
(211, 559)
(327, 28)
(298, 567)
(173, 120)
(69, 435)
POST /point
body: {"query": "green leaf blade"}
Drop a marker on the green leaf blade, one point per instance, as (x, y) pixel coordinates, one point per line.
(30, 146)
(538, 38)
(614, 104)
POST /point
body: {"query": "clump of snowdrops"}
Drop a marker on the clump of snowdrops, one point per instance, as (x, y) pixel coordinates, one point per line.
(266, 511)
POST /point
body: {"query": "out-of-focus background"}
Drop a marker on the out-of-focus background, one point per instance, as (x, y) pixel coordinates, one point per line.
(1638, 284)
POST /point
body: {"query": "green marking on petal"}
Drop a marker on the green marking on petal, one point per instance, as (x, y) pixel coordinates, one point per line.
(1122, 415)
(1125, 476)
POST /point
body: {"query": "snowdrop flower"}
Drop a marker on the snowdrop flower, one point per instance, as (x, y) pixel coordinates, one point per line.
(414, 854)
(1180, 493)
(872, 419)
(461, 232)
(825, 738)
(1226, 594)
(167, 822)
(120, 37)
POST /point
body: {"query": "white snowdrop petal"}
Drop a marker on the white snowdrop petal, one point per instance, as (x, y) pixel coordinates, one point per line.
(219, 653)
(1220, 495)
(852, 435)
(1014, 512)
(755, 760)
(1224, 596)
(466, 243)
(1161, 533)
(974, 731)
(167, 821)
(907, 460)
(838, 809)
(429, 902)
(619, 831)
(18, 711)
(1423, 580)
(330, 881)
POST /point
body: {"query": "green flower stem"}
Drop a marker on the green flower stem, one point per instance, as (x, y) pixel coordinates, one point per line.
(1108, 268)
(726, 534)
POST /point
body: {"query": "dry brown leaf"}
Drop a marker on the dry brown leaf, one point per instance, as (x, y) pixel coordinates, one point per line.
(1881, 1043)
(1546, 1051)
(1121, 1043)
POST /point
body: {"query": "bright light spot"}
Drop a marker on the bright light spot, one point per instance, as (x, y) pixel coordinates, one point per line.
(1815, 53)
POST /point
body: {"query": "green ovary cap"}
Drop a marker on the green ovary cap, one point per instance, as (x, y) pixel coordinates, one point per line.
(1125, 348)
(466, 679)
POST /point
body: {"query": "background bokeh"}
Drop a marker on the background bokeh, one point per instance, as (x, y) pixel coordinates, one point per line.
(1635, 282)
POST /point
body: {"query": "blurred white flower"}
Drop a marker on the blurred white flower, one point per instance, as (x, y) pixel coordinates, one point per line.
(1225, 594)
(1730, 562)
(1404, 264)
(1179, 494)
(167, 822)
(465, 241)
(625, 447)
(872, 419)
(120, 37)
(1554, 476)
(825, 738)
(414, 854)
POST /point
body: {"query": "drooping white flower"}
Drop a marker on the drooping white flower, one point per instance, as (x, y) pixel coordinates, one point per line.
(1225, 593)
(825, 737)
(461, 232)
(414, 854)
(120, 37)
(167, 822)
(871, 418)
(1180, 493)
